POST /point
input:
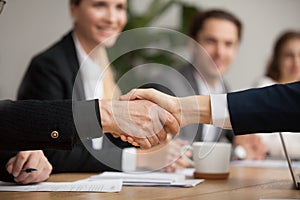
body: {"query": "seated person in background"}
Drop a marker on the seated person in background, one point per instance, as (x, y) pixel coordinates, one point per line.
(284, 67)
(219, 33)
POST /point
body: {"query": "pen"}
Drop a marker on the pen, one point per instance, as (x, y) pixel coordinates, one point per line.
(29, 170)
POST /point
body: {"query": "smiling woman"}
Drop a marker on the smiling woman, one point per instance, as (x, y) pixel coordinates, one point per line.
(97, 20)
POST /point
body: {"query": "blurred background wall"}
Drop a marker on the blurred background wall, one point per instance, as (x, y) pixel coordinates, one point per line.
(27, 27)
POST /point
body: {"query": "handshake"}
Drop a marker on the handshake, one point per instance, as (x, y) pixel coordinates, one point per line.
(144, 117)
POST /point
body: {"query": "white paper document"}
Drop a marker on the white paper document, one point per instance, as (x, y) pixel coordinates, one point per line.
(95, 186)
(264, 163)
(148, 179)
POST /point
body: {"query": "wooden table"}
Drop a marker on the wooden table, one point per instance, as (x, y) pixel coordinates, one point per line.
(243, 183)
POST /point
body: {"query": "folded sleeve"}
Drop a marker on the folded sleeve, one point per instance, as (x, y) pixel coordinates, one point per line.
(219, 109)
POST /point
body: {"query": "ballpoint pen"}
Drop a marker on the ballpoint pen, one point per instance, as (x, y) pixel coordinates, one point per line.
(29, 170)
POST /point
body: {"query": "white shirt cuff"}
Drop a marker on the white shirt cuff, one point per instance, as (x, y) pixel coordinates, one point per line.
(129, 159)
(219, 110)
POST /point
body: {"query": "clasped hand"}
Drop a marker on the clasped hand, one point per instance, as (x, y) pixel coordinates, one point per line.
(179, 112)
(141, 122)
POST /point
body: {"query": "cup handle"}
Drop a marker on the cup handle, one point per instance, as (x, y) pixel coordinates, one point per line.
(184, 157)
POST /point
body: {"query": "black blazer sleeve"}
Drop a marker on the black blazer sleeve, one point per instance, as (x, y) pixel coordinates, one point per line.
(270, 109)
(28, 124)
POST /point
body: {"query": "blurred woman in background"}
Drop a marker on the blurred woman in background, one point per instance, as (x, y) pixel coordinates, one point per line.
(284, 67)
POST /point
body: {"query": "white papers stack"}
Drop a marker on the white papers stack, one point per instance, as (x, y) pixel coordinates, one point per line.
(97, 186)
(148, 179)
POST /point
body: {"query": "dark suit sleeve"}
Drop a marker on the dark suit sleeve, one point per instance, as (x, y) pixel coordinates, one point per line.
(270, 109)
(28, 124)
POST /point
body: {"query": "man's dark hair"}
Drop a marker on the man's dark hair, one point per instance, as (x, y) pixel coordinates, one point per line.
(198, 21)
(75, 2)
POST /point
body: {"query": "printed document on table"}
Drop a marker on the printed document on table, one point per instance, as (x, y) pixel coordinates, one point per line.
(148, 179)
(96, 186)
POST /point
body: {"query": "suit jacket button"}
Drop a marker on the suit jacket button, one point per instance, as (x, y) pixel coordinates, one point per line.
(54, 134)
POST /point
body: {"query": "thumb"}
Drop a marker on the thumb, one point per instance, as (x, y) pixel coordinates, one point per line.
(170, 123)
(169, 138)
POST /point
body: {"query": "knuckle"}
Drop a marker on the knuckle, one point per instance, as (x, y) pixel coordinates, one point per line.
(21, 156)
(146, 125)
(48, 168)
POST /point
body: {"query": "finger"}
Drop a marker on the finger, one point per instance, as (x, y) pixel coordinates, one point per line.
(170, 169)
(189, 153)
(115, 135)
(143, 143)
(169, 138)
(21, 159)
(162, 135)
(170, 123)
(130, 140)
(22, 176)
(10, 164)
(181, 142)
(44, 173)
(135, 144)
(36, 176)
(182, 163)
(129, 96)
(153, 139)
(147, 94)
(123, 138)
(33, 161)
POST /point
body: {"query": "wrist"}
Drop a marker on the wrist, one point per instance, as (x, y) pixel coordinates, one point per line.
(189, 111)
(204, 110)
(194, 110)
(105, 108)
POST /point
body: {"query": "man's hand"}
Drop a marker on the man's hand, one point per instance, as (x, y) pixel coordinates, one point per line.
(180, 163)
(162, 156)
(254, 146)
(29, 159)
(146, 123)
(186, 110)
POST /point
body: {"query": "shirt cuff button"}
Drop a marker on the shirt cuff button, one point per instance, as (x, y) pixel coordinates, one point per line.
(54, 134)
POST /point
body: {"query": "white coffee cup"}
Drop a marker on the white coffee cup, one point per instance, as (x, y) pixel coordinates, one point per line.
(210, 159)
